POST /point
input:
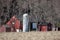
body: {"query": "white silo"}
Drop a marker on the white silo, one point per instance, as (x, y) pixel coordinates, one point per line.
(25, 23)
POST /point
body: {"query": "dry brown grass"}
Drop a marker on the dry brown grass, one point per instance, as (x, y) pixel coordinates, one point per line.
(30, 36)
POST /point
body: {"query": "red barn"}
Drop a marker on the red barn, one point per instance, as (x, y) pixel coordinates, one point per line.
(14, 23)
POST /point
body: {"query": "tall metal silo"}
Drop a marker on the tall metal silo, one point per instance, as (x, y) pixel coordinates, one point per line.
(25, 22)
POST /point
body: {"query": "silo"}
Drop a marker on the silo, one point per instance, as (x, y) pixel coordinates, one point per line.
(25, 23)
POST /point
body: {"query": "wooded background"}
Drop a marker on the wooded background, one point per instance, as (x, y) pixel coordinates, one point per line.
(38, 10)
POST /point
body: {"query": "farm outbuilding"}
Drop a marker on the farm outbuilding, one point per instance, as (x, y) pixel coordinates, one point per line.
(15, 24)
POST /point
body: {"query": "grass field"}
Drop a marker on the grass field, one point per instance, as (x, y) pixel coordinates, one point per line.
(54, 35)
